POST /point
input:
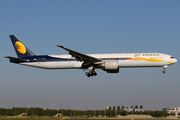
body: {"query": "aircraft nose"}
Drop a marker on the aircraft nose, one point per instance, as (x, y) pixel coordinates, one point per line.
(175, 60)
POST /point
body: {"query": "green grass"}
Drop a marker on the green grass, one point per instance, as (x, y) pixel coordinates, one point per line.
(70, 119)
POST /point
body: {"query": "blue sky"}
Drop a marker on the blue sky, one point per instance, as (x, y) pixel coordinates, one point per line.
(101, 26)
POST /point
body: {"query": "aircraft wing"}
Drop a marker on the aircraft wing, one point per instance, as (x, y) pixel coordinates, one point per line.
(80, 56)
(16, 59)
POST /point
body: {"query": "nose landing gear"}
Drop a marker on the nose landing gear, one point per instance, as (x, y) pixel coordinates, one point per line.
(164, 67)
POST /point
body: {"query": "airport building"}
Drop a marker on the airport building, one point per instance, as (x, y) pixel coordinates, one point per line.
(128, 109)
(132, 109)
(138, 110)
(170, 110)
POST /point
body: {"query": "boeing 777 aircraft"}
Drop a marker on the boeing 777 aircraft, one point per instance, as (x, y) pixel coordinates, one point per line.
(76, 60)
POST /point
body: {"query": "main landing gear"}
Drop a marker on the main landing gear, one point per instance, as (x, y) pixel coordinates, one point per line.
(91, 72)
(164, 67)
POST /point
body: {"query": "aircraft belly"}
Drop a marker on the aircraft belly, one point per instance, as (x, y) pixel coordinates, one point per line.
(54, 65)
(140, 63)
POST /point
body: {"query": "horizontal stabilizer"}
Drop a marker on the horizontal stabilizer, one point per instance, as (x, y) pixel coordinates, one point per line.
(16, 59)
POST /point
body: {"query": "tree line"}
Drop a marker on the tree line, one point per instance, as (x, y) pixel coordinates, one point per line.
(111, 112)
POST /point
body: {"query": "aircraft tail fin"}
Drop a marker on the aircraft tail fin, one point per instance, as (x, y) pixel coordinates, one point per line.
(21, 50)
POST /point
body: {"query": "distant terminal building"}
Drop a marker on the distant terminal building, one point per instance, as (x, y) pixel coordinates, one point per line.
(132, 110)
(170, 110)
(128, 109)
(138, 110)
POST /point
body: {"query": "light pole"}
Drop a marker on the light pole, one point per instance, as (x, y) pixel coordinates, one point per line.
(104, 112)
(75, 112)
(15, 113)
(61, 111)
(26, 111)
(31, 112)
(86, 110)
(70, 110)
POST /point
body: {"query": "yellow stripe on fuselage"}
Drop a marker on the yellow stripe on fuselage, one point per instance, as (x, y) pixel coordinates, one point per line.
(145, 59)
(170, 62)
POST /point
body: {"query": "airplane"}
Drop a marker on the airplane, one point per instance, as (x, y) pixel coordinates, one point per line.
(76, 60)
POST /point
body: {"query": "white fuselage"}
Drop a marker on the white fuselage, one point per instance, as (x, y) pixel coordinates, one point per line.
(125, 60)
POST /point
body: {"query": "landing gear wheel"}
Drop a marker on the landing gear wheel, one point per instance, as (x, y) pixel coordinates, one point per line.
(87, 74)
(94, 73)
(164, 67)
(91, 73)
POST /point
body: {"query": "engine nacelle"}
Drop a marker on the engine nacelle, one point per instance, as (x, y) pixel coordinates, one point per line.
(111, 66)
(112, 71)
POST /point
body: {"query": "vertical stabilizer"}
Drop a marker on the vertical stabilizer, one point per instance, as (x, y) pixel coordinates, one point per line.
(21, 50)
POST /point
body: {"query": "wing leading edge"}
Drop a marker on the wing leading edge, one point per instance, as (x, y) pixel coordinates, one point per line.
(80, 56)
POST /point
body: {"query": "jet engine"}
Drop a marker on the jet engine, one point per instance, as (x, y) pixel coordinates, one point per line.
(111, 66)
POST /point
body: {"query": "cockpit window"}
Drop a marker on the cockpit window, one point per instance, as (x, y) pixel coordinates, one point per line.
(171, 57)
